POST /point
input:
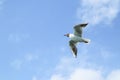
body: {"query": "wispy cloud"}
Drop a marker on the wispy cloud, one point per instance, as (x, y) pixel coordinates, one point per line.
(16, 64)
(31, 57)
(98, 11)
(34, 78)
(1, 3)
(27, 58)
(16, 38)
(105, 54)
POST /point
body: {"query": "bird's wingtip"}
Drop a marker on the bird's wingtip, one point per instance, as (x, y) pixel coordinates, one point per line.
(74, 55)
(88, 40)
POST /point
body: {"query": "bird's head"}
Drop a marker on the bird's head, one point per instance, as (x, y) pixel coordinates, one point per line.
(67, 34)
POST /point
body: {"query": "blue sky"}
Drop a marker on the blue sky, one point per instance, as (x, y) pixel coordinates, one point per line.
(33, 46)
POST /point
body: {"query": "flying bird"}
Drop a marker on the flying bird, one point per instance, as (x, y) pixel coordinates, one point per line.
(76, 37)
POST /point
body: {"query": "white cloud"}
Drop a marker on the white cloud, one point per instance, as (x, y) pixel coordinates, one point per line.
(114, 75)
(68, 71)
(57, 77)
(85, 74)
(98, 11)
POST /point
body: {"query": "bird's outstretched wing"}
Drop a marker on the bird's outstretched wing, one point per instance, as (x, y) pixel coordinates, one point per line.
(78, 29)
(73, 48)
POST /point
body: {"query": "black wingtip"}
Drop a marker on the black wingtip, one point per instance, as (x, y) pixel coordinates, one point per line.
(84, 24)
(74, 52)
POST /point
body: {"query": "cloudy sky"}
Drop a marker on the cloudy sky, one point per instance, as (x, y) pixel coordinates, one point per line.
(32, 45)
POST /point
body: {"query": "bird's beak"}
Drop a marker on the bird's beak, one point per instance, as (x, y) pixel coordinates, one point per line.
(65, 34)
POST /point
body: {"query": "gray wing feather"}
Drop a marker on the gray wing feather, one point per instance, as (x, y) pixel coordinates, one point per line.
(78, 29)
(73, 48)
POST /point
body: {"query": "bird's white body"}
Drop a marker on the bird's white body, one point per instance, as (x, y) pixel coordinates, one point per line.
(78, 38)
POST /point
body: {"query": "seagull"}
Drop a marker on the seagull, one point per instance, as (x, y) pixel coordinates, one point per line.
(77, 37)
